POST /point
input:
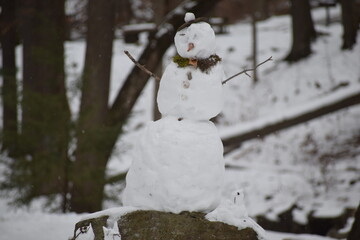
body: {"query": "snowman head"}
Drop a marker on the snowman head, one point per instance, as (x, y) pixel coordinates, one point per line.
(195, 39)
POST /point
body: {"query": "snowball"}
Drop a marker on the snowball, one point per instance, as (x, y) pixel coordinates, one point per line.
(189, 17)
(199, 98)
(201, 35)
(177, 166)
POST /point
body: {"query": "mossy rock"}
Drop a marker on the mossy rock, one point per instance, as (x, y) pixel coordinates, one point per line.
(154, 225)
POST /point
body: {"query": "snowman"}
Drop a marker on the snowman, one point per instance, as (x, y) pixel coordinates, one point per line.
(191, 85)
(178, 160)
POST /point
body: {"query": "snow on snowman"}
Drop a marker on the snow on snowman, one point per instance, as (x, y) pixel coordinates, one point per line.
(178, 162)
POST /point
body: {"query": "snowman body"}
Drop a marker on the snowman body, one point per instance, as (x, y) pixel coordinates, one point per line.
(178, 167)
(189, 93)
(178, 163)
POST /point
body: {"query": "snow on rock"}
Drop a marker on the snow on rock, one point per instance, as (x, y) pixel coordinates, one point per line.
(114, 214)
(199, 98)
(177, 166)
(112, 233)
(233, 211)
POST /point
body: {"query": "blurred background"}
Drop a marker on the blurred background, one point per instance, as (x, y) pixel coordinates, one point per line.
(73, 104)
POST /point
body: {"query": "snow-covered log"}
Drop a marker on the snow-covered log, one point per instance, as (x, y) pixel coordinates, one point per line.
(233, 136)
(159, 225)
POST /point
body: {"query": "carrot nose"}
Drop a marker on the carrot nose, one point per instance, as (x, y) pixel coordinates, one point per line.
(190, 46)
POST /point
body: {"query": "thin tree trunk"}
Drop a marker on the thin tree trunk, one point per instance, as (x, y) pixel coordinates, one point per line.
(45, 110)
(303, 31)
(254, 43)
(350, 22)
(92, 131)
(160, 12)
(9, 90)
(355, 229)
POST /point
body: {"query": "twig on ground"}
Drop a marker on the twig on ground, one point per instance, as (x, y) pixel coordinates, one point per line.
(142, 67)
(247, 70)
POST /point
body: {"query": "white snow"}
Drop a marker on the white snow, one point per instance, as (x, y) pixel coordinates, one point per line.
(294, 111)
(114, 214)
(112, 233)
(168, 170)
(201, 35)
(199, 98)
(189, 17)
(233, 211)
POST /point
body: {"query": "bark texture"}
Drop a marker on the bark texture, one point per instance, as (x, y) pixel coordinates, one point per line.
(88, 176)
(8, 38)
(350, 16)
(45, 110)
(355, 229)
(303, 31)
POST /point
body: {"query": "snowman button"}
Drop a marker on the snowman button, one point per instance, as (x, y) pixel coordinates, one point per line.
(186, 84)
(184, 97)
(189, 75)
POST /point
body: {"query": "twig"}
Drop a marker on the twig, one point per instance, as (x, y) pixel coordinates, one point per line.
(142, 67)
(247, 70)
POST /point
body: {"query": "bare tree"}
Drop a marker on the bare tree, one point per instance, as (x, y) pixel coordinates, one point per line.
(303, 31)
(8, 37)
(254, 18)
(350, 21)
(40, 167)
(160, 10)
(92, 129)
(355, 229)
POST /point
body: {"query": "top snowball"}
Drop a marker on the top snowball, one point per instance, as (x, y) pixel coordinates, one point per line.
(195, 39)
(189, 17)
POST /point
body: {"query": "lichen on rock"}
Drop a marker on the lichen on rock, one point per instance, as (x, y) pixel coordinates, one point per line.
(157, 225)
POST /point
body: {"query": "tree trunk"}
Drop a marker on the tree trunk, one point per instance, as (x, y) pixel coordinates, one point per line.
(303, 31)
(45, 110)
(9, 90)
(160, 9)
(355, 229)
(350, 22)
(254, 14)
(92, 131)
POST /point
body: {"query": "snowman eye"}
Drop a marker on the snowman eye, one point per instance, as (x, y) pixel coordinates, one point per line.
(182, 34)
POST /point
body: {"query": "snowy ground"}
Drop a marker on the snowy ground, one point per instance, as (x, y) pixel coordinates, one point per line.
(315, 165)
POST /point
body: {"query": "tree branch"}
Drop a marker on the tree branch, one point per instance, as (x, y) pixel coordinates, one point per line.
(116, 178)
(142, 67)
(247, 70)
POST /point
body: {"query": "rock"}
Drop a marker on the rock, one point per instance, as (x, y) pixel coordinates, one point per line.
(165, 226)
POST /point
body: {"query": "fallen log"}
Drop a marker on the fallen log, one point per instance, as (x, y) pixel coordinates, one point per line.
(232, 137)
